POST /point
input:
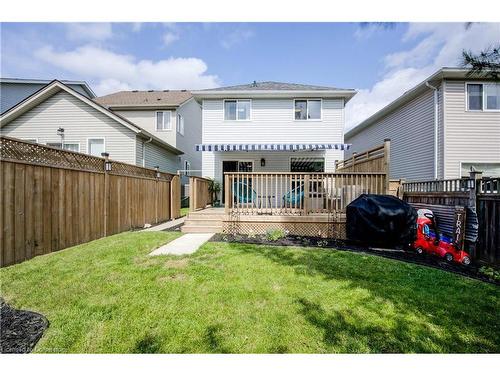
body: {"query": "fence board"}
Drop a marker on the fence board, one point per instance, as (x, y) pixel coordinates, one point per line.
(52, 199)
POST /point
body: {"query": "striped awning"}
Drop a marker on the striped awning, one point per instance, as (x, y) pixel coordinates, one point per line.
(272, 146)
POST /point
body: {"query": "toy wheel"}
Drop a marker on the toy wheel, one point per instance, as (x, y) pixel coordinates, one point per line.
(419, 250)
(466, 261)
(448, 257)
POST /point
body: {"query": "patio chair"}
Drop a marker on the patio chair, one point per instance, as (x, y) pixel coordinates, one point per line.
(294, 197)
(243, 193)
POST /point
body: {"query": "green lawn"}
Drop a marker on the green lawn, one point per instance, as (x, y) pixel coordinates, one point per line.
(109, 296)
(184, 211)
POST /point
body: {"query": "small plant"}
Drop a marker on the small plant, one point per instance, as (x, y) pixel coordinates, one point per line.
(251, 234)
(275, 234)
(214, 188)
(490, 272)
(322, 243)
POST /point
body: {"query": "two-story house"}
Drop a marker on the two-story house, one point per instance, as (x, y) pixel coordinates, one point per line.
(439, 129)
(171, 115)
(271, 127)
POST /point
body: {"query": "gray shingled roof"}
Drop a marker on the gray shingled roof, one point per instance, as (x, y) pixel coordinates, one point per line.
(272, 86)
(144, 98)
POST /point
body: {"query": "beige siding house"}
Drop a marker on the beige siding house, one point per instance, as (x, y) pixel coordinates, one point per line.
(171, 115)
(88, 128)
(438, 129)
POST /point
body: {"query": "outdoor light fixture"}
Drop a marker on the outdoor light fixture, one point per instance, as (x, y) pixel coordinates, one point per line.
(157, 168)
(262, 162)
(107, 163)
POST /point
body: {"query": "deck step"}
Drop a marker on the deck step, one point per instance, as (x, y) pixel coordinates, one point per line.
(198, 223)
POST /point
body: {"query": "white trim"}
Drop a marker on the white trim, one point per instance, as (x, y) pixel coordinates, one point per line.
(484, 103)
(307, 100)
(236, 100)
(29, 139)
(92, 138)
(65, 142)
(178, 124)
(163, 129)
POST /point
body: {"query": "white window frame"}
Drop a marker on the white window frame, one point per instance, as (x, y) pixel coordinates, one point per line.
(484, 109)
(92, 138)
(472, 162)
(180, 129)
(307, 109)
(163, 129)
(66, 143)
(236, 100)
(303, 157)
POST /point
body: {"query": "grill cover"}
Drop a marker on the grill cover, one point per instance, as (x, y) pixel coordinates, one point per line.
(381, 220)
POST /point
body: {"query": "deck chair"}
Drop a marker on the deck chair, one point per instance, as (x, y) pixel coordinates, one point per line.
(243, 193)
(294, 197)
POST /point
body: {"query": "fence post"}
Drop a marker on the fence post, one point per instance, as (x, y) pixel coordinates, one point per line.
(107, 168)
(476, 177)
(353, 157)
(387, 161)
(306, 194)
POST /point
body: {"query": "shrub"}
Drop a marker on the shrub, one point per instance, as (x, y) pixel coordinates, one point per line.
(275, 234)
(492, 273)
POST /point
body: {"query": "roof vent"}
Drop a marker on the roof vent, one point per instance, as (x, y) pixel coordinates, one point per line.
(254, 84)
(151, 90)
(183, 90)
(135, 90)
(166, 90)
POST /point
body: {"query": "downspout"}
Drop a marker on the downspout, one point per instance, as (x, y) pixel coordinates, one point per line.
(144, 151)
(436, 124)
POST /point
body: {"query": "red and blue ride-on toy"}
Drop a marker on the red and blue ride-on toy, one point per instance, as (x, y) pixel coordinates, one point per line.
(430, 241)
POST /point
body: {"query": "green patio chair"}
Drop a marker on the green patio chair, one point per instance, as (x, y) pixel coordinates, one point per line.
(294, 197)
(243, 193)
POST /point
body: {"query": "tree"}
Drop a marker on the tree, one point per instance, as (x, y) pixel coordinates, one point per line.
(485, 64)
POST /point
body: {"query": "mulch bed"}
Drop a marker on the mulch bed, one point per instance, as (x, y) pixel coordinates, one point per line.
(20, 330)
(471, 271)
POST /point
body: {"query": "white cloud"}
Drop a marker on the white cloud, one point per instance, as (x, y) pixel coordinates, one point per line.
(169, 38)
(441, 45)
(236, 37)
(136, 27)
(89, 31)
(112, 71)
(366, 30)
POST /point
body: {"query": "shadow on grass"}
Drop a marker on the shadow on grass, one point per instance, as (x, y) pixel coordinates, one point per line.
(213, 339)
(432, 310)
(149, 344)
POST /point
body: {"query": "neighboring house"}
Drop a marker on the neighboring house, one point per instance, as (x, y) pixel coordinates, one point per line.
(88, 128)
(171, 115)
(271, 127)
(438, 129)
(15, 90)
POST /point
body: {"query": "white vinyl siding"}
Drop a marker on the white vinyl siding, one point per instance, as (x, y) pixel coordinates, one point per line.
(70, 146)
(411, 130)
(79, 120)
(146, 119)
(158, 156)
(180, 124)
(470, 136)
(273, 121)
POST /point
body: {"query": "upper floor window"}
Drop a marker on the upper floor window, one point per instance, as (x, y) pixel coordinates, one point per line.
(180, 124)
(70, 146)
(308, 109)
(237, 110)
(163, 120)
(483, 96)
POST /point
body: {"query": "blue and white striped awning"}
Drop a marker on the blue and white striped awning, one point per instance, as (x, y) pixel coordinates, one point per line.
(272, 146)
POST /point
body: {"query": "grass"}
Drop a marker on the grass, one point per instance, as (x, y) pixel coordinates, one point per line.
(109, 296)
(184, 211)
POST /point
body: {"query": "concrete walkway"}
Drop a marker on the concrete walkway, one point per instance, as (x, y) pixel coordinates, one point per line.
(166, 225)
(186, 244)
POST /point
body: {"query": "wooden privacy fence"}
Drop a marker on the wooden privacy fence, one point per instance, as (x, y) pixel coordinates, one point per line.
(52, 199)
(199, 194)
(480, 196)
(298, 193)
(376, 159)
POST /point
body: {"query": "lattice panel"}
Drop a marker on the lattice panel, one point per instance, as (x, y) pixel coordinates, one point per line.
(335, 230)
(14, 149)
(45, 155)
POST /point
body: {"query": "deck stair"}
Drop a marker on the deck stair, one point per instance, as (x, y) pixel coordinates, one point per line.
(204, 221)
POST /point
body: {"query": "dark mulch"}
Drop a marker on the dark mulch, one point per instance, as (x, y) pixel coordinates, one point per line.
(409, 256)
(20, 330)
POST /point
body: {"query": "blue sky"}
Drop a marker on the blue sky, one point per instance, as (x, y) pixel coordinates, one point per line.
(380, 60)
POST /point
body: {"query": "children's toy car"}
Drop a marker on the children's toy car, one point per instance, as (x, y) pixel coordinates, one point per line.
(430, 241)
